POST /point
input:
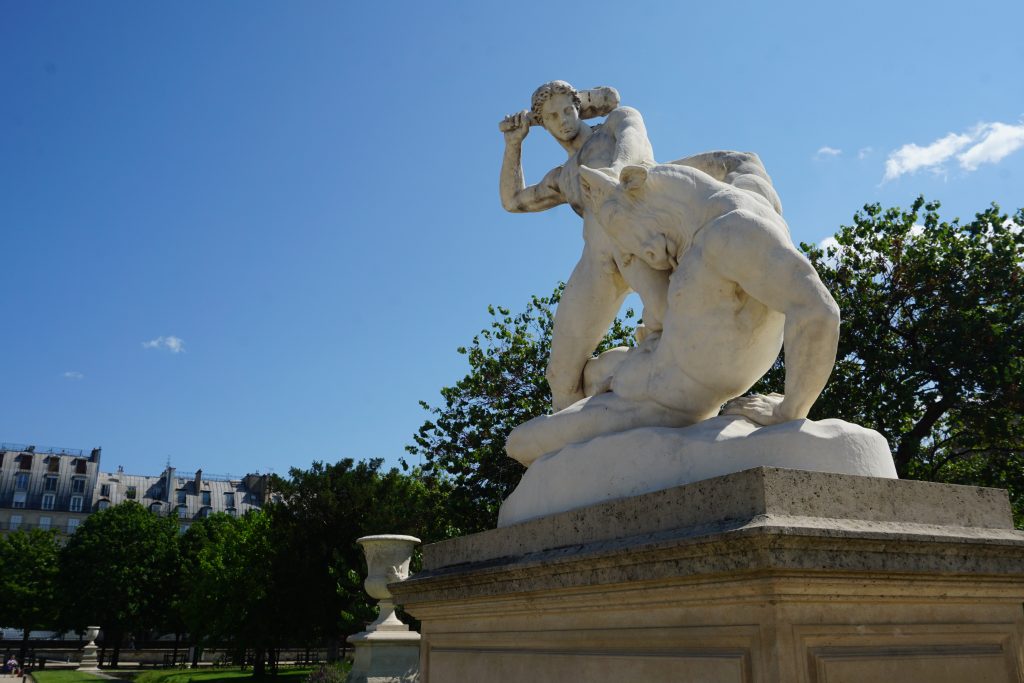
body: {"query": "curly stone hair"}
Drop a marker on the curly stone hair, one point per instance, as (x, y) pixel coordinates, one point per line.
(549, 90)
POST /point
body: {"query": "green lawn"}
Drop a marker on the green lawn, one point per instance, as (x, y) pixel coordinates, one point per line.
(214, 676)
(48, 676)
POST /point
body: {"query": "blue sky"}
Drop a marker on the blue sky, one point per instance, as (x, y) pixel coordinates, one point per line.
(250, 235)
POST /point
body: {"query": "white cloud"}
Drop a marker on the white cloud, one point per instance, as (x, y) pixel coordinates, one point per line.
(827, 151)
(171, 343)
(73, 375)
(863, 152)
(910, 158)
(995, 141)
(986, 143)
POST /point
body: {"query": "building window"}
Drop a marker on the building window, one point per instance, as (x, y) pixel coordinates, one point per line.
(205, 512)
(130, 493)
(76, 504)
(181, 497)
(44, 523)
(21, 482)
(155, 508)
(105, 490)
(80, 465)
(182, 528)
(19, 499)
(182, 512)
(229, 500)
(15, 522)
(103, 505)
(233, 512)
(206, 498)
(77, 485)
(53, 464)
(25, 462)
(48, 501)
(49, 483)
(73, 525)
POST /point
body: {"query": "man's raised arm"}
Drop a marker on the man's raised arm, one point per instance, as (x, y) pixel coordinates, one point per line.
(515, 195)
(632, 148)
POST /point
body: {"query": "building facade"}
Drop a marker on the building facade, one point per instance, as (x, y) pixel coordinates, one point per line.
(57, 488)
(47, 488)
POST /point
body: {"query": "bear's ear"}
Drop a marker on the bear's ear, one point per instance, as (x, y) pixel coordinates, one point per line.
(633, 179)
(596, 186)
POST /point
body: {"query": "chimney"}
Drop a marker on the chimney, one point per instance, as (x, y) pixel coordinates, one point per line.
(199, 480)
(169, 484)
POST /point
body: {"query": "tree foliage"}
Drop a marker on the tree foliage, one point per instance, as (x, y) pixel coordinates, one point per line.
(323, 511)
(28, 572)
(931, 350)
(505, 387)
(118, 571)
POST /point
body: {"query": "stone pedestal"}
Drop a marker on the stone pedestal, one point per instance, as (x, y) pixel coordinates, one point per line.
(90, 662)
(766, 575)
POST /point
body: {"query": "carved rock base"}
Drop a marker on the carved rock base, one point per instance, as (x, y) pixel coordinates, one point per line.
(767, 576)
(653, 458)
(385, 657)
(89, 661)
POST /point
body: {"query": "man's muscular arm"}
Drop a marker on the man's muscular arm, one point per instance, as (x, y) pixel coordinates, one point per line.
(632, 148)
(515, 195)
(758, 256)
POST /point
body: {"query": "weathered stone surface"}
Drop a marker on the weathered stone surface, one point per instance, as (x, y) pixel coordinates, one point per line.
(750, 498)
(766, 575)
(654, 458)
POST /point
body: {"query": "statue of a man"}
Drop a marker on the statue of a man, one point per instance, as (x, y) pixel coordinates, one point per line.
(600, 280)
(604, 274)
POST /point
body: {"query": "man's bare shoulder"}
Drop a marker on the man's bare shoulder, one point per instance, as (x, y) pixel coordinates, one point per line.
(621, 116)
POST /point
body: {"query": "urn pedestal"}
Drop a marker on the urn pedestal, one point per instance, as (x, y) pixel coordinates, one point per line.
(387, 651)
(89, 660)
(766, 575)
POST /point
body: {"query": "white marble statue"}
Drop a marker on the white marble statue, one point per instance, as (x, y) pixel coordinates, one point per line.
(604, 275)
(703, 242)
(738, 289)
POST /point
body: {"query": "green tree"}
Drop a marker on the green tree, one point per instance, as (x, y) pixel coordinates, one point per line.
(28, 578)
(118, 571)
(931, 350)
(325, 509)
(196, 609)
(231, 595)
(505, 387)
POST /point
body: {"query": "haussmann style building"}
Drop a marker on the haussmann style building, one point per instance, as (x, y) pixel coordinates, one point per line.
(57, 488)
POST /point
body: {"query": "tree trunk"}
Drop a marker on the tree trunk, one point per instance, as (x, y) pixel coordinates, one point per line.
(259, 663)
(910, 445)
(24, 646)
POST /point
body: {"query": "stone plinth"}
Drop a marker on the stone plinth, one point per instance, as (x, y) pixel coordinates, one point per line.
(765, 575)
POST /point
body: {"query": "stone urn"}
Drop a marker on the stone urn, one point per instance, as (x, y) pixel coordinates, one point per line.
(91, 633)
(387, 651)
(387, 561)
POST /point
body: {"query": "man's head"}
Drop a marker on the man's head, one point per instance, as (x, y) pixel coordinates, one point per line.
(556, 106)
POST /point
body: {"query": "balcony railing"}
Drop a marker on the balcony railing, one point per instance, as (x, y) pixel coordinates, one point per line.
(44, 450)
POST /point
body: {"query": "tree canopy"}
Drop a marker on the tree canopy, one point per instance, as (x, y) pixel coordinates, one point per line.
(118, 570)
(505, 386)
(931, 349)
(28, 572)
